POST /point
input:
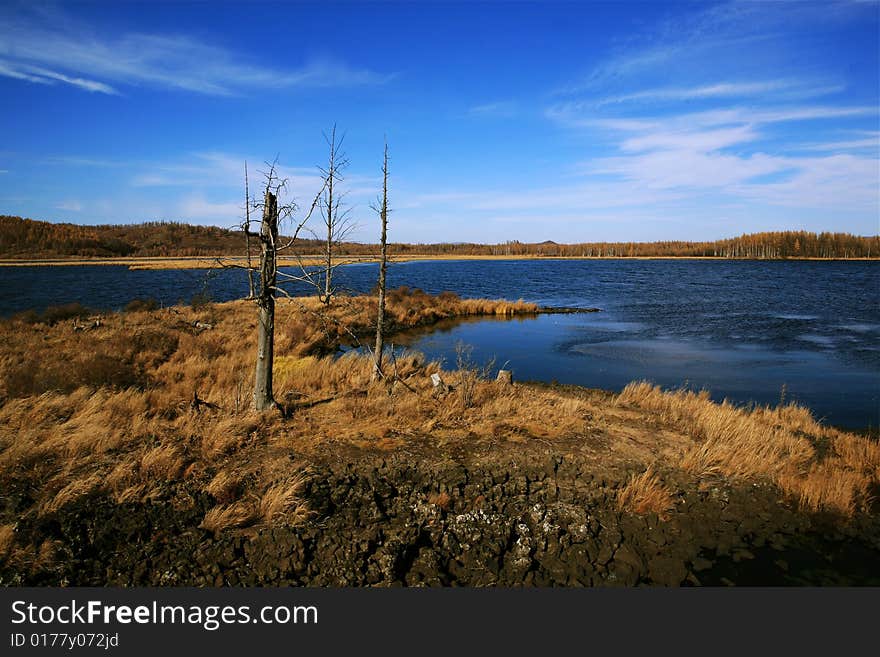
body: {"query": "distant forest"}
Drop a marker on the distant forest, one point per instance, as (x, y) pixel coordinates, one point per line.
(27, 238)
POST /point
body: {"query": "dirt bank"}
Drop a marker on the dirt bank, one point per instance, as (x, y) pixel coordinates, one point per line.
(525, 516)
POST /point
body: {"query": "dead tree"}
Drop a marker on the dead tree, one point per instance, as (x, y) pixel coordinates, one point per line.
(336, 219)
(247, 233)
(271, 245)
(263, 399)
(382, 209)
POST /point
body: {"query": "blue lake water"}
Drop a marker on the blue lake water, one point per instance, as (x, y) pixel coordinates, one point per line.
(742, 329)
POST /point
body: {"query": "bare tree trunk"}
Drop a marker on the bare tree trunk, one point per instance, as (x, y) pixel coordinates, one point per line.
(331, 220)
(247, 234)
(335, 216)
(383, 269)
(263, 399)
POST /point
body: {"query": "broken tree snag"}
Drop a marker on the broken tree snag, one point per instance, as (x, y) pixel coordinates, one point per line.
(383, 270)
(197, 403)
(505, 377)
(438, 385)
(263, 399)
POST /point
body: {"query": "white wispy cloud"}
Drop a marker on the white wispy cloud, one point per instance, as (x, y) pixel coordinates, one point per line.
(582, 114)
(200, 187)
(40, 75)
(46, 48)
(836, 182)
(782, 89)
(198, 208)
(692, 153)
(674, 48)
(676, 40)
(707, 139)
(872, 142)
(223, 171)
(82, 161)
(499, 109)
(70, 206)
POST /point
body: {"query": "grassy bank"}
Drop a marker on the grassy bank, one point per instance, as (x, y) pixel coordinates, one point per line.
(132, 405)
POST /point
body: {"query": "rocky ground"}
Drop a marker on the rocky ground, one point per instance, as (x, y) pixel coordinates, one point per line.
(532, 515)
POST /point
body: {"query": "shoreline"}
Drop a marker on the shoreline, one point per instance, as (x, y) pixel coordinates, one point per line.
(218, 262)
(148, 467)
(869, 430)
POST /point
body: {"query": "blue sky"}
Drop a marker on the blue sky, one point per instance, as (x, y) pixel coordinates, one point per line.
(580, 121)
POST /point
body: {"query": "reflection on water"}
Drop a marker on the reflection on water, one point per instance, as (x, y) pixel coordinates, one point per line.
(743, 329)
(821, 340)
(805, 318)
(862, 328)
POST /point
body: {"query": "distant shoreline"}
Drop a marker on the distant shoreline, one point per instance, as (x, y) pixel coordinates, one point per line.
(218, 262)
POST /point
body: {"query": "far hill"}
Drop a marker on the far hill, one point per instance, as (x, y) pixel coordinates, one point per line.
(31, 239)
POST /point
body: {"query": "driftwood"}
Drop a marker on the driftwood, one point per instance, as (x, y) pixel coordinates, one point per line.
(396, 379)
(196, 404)
(86, 327)
(299, 405)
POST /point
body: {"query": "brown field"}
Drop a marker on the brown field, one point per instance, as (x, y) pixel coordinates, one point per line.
(129, 404)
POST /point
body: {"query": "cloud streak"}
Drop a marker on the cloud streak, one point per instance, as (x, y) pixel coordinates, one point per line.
(51, 51)
(500, 109)
(70, 206)
(725, 152)
(722, 90)
(39, 75)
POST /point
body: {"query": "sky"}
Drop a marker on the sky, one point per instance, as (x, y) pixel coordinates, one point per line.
(576, 121)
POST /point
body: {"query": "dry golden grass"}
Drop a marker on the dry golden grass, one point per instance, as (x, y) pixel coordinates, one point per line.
(73, 490)
(225, 486)
(779, 444)
(128, 440)
(646, 493)
(282, 502)
(229, 516)
(127, 424)
(163, 462)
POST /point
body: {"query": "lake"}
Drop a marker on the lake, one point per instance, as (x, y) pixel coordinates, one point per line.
(742, 329)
